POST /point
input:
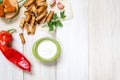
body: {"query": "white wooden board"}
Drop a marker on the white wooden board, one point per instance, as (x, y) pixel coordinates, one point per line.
(104, 39)
(73, 62)
(95, 22)
(73, 37)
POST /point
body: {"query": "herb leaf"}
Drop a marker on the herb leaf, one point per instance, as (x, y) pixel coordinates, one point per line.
(62, 14)
(50, 24)
(58, 23)
(55, 17)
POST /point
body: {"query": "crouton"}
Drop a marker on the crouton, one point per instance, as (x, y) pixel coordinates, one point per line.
(40, 17)
(6, 3)
(33, 29)
(50, 15)
(22, 38)
(28, 13)
(28, 18)
(32, 22)
(10, 9)
(27, 28)
(29, 2)
(42, 4)
(1, 10)
(40, 10)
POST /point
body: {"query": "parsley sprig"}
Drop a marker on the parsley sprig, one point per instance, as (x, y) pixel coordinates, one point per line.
(56, 21)
(62, 14)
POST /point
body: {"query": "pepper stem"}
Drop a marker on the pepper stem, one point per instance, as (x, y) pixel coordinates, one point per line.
(11, 30)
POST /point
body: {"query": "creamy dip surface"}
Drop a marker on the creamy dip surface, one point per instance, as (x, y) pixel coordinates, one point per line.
(47, 49)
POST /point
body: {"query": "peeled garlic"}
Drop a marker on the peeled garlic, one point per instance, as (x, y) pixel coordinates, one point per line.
(60, 5)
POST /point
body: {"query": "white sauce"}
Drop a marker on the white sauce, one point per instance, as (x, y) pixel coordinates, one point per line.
(47, 49)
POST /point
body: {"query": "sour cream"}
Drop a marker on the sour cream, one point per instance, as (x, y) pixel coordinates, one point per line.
(47, 49)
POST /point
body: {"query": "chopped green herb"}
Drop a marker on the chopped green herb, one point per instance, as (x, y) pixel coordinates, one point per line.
(55, 16)
(50, 24)
(62, 14)
(56, 21)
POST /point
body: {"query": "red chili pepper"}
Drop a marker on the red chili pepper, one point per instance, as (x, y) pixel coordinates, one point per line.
(11, 54)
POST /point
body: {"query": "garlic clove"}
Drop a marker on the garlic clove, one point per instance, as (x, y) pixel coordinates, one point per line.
(60, 5)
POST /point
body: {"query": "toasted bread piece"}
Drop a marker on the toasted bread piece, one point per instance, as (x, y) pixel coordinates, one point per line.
(40, 17)
(10, 9)
(22, 38)
(14, 4)
(28, 13)
(50, 15)
(33, 29)
(6, 3)
(27, 28)
(29, 8)
(28, 18)
(29, 2)
(1, 10)
(32, 22)
(34, 9)
(40, 10)
(40, 0)
(42, 4)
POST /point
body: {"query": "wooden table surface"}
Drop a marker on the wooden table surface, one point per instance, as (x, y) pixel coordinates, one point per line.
(90, 46)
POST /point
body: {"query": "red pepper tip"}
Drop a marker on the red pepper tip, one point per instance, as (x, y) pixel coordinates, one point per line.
(29, 70)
